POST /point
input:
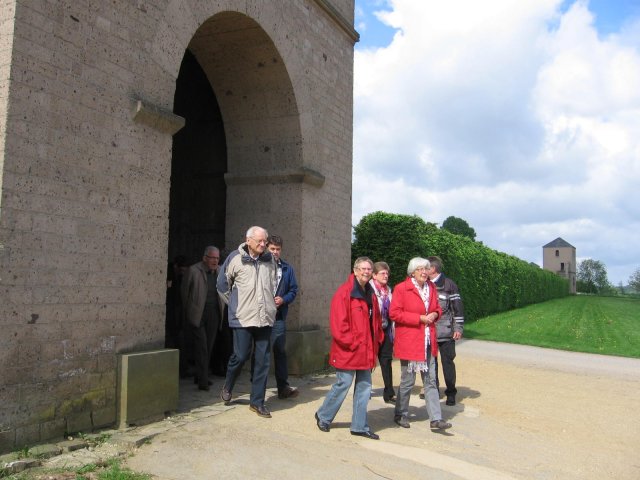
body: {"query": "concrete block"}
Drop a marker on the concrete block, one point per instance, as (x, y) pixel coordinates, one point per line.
(73, 445)
(306, 351)
(147, 386)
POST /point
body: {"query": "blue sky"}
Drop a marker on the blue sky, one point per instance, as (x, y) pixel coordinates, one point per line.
(522, 117)
(610, 16)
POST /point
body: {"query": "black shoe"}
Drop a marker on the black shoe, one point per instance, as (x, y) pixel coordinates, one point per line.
(206, 388)
(261, 410)
(225, 395)
(402, 421)
(440, 425)
(451, 400)
(421, 395)
(391, 399)
(368, 434)
(323, 427)
(288, 392)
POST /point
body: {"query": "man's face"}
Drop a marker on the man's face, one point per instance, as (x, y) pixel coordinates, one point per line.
(257, 243)
(363, 272)
(382, 277)
(431, 271)
(211, 259)
(275, 250)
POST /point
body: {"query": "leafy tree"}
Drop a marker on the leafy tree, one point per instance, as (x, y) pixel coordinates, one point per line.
(458, 226)
(634, 280)
(592, 276)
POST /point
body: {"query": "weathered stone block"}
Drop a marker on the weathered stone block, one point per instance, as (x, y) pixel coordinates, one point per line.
(147, 385)
(306, 351)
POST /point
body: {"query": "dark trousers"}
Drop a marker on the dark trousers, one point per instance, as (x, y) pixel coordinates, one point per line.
(385, 357)
(204, 337)
(447, 351)
(278, 342)
(243, 341)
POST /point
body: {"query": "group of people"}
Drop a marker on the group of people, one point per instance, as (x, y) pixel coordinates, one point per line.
(369, 321)
(255, 286)
(420, 318)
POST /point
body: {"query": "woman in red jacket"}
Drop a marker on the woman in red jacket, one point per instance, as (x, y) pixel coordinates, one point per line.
(356, 328)
(415, 309)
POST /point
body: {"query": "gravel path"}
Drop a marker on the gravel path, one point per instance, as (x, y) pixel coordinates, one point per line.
(522, 412)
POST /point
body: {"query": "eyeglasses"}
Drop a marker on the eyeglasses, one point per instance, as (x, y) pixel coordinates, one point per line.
(259, 242)
(422, 269)
(365, 269)
(212, 257)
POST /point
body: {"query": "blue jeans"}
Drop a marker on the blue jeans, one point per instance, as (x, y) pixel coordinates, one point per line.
(278, 343)
(243, 340)
(333, 401)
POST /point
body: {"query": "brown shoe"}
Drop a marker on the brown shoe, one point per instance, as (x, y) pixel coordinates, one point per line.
(225, 395)
(261, 410)
(288, 392)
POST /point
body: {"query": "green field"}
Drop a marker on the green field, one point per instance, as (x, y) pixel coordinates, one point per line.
(607, 325)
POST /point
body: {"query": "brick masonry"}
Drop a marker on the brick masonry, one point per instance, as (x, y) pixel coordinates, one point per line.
(85, 188)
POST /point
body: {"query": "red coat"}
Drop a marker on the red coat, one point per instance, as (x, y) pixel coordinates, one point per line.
(406, 308)
(352, 347)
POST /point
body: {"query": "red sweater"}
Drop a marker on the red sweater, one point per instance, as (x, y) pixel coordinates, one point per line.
(406, 308)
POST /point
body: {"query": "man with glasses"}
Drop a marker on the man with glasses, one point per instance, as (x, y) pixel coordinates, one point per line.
(203, 310)
(247, 282)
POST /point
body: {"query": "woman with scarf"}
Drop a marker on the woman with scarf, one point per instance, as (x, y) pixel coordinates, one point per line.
(379, 282)
(415, 309)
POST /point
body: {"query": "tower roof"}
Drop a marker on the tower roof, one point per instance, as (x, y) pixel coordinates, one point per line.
(558, 242)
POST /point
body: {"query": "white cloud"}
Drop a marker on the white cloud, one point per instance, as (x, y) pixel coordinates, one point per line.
(512, 115)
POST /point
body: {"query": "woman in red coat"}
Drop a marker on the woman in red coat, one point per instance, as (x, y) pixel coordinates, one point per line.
(356, 328)
(415, 309)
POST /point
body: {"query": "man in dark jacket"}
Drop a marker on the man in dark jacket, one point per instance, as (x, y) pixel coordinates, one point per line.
(202, 310)
(285, 294)
(356, 331)
(449, 327)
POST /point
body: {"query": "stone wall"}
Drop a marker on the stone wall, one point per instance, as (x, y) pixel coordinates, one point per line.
(85, 188)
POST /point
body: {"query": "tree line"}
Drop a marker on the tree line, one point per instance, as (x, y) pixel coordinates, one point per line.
(490, 281)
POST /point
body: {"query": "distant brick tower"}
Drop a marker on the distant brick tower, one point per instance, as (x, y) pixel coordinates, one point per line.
(559, 257)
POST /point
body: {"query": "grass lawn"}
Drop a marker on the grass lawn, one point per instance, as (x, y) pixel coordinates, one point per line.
(607, 325)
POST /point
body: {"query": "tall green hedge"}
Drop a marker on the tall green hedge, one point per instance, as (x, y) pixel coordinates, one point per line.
(489, 281)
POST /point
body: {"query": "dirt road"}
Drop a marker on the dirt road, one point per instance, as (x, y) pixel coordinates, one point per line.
(522, 412)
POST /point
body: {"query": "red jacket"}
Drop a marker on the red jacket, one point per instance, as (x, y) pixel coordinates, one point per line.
(406, 308)
(353, 347)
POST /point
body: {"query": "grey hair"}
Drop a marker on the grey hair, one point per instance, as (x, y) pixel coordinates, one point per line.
(360, 260)
(255, 229)
(416, 263)
(211, 249)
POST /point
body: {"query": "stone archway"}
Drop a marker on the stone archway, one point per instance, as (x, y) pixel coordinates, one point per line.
(261, 122)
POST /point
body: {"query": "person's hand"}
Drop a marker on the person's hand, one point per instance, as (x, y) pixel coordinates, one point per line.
(457, 335)
(279, 301)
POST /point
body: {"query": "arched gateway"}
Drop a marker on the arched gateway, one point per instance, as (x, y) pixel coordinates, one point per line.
(131, 132)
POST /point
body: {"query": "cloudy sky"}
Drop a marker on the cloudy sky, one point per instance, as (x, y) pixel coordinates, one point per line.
(520, 116)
